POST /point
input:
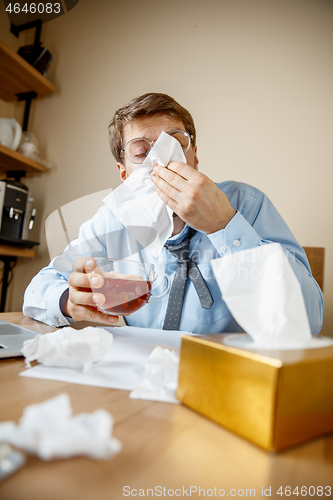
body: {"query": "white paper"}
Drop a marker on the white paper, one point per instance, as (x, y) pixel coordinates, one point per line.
(264, 296)
(68, 347)
(160, 380)
(122, 367)
(136, 203)
(50, 431)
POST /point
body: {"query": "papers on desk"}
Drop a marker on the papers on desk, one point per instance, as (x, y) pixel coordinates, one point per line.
(123, 366)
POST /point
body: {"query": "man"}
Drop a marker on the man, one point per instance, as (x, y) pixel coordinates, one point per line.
(226, 217)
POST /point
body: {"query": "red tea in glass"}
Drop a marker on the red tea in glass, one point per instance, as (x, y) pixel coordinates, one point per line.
(125, 284)
(124, 297)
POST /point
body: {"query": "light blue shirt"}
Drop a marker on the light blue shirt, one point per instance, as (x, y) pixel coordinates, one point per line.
(256, 222)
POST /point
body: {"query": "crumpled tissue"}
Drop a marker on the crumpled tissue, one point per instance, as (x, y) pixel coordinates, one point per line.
(160, 380)
(136, 203)
(68, 347)
(50, 431)
(264, 296)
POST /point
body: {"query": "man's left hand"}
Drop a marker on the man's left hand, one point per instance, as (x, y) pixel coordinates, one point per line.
(192, 196)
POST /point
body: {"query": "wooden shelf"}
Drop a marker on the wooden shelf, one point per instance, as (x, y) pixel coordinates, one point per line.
(12, 160)
(17, 76)
(8, 250)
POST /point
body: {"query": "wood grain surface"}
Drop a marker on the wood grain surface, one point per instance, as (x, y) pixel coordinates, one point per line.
(164, 445)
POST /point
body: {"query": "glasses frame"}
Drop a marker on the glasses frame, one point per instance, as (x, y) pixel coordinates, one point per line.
(190, 137)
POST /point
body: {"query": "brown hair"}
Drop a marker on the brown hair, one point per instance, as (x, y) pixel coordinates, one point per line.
(147, 104)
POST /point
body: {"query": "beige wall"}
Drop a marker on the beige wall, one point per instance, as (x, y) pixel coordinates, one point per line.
(257, 76)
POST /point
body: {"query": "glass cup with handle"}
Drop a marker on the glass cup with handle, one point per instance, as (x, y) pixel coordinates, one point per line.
(125, 284)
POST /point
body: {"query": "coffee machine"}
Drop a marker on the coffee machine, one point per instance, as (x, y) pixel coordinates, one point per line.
(16, 214)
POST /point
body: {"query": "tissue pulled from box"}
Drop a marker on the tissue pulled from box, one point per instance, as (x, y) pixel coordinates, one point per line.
(264, 296)
(160, 380)
(50, 431)
(68, 347)
(136, 203)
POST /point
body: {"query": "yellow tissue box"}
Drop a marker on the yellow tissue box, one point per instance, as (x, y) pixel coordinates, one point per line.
(276, 399)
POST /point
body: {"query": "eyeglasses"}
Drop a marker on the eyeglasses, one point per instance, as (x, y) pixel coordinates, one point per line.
(136, 150)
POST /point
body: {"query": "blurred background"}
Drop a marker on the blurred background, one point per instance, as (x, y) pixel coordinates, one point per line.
(257, 76)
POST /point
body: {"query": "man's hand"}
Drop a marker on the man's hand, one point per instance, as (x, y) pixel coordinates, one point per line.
(81, 303)
(192, 196)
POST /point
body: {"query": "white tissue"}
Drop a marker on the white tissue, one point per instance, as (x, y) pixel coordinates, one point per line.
(68, 347)
(264, 296)
(49, 431)
(160, 380)
(136, 203)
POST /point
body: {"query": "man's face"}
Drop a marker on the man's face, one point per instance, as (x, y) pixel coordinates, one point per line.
(151, 127)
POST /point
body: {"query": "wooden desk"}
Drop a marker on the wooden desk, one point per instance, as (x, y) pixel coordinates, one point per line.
(164, 445)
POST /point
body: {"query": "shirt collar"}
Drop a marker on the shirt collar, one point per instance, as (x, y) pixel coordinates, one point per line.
(178, 238)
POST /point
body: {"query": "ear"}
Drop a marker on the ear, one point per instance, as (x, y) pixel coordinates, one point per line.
(122, 171)
(196, 159)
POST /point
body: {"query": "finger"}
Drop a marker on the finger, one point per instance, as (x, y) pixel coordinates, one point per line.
(96, 280)
(182, 169)
(79, 280)
(167, 200)
(86, 298)
(84, 264)
(80, 313)
(167, 189)
(170, 177)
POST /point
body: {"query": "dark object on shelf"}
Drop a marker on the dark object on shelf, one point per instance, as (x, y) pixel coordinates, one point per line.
(39, 57)
(16, 175)
(36, 55)
(27, 97)
(16, 214)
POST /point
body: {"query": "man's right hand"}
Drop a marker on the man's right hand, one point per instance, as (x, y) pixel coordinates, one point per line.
(81, 303)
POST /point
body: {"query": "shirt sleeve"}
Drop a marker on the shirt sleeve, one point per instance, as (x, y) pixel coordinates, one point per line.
(43, 296)
(257, 222)
(42, 299)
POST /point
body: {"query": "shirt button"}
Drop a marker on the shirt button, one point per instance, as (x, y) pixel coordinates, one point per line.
(223, 249)
(236, 243)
